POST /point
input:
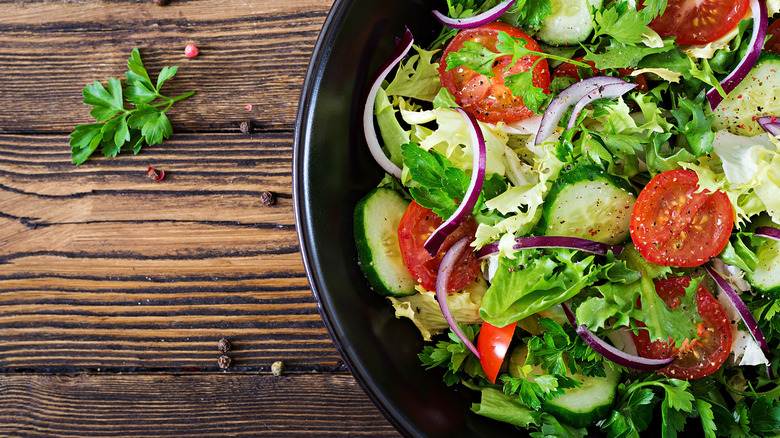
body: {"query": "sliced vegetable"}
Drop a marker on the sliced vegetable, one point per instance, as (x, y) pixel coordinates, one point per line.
(570, 22)
(770, 232)
(493, 344)
(589, 203)
(553, 242)
(754, 98)
(770, 125)
(611, 353)
(740, 72)
(418, 222)
(581, 406)
(697, 357)
(699, 22)
(401, 49)
(484, 90)
(608, 91)
(674, 224)
(568, 97)
(377, 216)
(475, 21)
(446, 268)
(479, 152)
(741, 308)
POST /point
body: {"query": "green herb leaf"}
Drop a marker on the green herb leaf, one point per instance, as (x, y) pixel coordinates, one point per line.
(119, 128)
(474, 56)
(624, 24)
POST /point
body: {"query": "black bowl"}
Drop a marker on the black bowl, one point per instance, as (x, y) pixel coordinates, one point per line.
(332, 170)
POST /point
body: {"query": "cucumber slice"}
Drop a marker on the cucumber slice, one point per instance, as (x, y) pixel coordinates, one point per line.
(588, 203)
(578, 407)
(569, 24)
(754, 97)
(376, 235)
(766, 276)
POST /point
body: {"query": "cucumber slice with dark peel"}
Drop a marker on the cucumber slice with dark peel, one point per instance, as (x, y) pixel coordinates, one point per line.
(578, 407)
(589, 203)
(377, 217)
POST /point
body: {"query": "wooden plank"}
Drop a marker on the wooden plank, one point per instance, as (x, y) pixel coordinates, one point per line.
(185, 405)
(100, 267)
(253, 52)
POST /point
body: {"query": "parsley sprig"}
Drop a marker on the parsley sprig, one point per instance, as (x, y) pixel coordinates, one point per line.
(480, 59)
(118, 127)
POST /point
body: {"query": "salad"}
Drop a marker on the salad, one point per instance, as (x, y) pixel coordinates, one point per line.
(581, 211)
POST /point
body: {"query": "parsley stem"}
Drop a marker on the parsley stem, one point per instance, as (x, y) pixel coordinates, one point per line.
(171, 100)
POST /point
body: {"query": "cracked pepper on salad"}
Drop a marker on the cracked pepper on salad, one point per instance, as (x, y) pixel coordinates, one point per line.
(581, 211)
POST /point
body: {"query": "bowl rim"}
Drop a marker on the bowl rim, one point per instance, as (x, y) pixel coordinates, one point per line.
(303, 132)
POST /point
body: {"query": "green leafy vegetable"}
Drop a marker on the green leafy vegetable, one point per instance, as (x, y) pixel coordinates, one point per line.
(120, 128)
(624, 24)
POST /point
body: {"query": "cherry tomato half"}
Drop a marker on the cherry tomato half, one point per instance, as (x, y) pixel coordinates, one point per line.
(700, 21)
(416, 226)
(572, 71)
(488, 99)
(673, 225)
(492, 345)
(699, 357)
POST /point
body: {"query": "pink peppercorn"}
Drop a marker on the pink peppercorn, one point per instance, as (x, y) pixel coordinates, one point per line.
(190, 51)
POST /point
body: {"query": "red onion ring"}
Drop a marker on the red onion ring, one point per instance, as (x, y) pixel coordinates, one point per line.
(401, 49)
(446, 267)
(768, 232)
(475, 21)
(740, 72)
(771, 124)
(743, 311)
(553, 242)
(608, 91)
(565, 99)
(610, 352)
(433, 243)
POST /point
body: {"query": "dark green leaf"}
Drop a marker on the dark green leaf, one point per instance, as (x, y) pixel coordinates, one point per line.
(109, 146)
(97, 95)
(620, 55)
(137, 72)
(84, 140)
(474, 56)
(165, 74)
(138, 93)
(156, 128)
(625, 26)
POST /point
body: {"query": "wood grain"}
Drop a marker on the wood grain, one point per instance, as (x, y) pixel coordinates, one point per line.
(251, 53)
(114, 289)
(102, 267)
(183, 405)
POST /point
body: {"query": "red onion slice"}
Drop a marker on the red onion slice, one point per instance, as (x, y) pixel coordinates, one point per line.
(565, 99)
(769, 232)
(475, 21)
(611, 353)
(770, 124)
(433, 243)
(609, 91)
(743, 311)
(401, 49)
(553, 242)
(740, 72)
(447, 266)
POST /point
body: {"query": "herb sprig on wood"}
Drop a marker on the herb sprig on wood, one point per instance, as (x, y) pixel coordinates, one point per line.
(119, 127)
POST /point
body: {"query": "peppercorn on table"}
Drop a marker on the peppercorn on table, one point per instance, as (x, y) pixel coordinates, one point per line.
(160, 293)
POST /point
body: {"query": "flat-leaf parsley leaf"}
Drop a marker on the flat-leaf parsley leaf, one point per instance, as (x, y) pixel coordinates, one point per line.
(118, 127)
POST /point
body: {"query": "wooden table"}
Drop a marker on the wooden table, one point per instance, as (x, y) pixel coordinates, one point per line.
(114, 289)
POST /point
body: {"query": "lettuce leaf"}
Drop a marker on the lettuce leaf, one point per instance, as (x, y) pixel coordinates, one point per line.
(535, 281)
(417, 78)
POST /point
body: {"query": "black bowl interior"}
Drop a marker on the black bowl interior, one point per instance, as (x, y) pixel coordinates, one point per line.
(332, 171)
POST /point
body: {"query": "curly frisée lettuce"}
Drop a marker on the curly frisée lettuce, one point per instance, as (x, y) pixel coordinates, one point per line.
(664, 126)
(424, 311)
